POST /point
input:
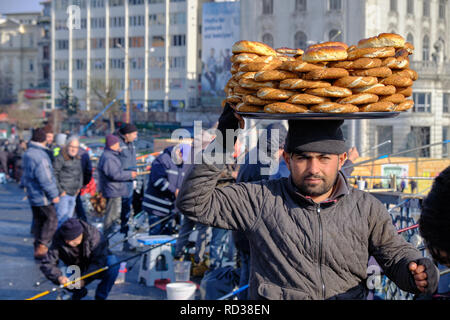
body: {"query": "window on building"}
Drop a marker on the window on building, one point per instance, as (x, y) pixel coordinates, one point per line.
(267, 38)
(80, 84)
(62, 44)
(156, 1)
(97, 43)
(98, 64)
(177, 0)
(426, 8)
(137, 63)
(116, 22)
(446, 103)
(178, 18)
(445, 136)
(422, 102)
(117, 63)
(115, 3)
(157, 19)
(97, 3)
(179, 40)
(385, 133)
(31, 65)
(45, 52)
(79, 64)
(442, 9)
(137, 84)
(426, 48)
(116, 42)
(419, 136)
(300, 40)
(335, 35)
(267, 7)
(410, 6)
(300, 5)
(177, 62)
(176, 83)
(410, 39)
(136, 21)
(335, 5)
(156, 84)
(393, 5)
(135, 2)
(157, 62)
(136, 42)
(156, 105)
(158, 41)
(79, 44)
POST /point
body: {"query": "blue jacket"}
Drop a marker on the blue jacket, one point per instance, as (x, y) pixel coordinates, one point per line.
(38, 177)
(127, 157)
(165, 178)
(112, 178)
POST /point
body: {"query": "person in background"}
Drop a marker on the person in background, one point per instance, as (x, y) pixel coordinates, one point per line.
(127, 134)
(86, 167)
(77, 243)
(166, 176)
(18, 156)
(42, 192)
(60, 142)
(69, 178)
(113, 182)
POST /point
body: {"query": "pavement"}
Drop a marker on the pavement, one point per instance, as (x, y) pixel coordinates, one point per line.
(20, 272)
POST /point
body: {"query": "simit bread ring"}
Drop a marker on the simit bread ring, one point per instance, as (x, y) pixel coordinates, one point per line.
(259, 66)
(233, 99)
(234, 68)
(378, 88)
(371, 53)
(396, 63)
(298, 66)
(265, 59)
(361, 63)
(406, 91)
(238, 90)
(326, 73)
(243, 57)
(331, 53)
(283, 107)
(359, 98)
(284, 58)
(244, 75)
(332, 107)
(274, 75)
(383, 40)
(274, 94)
(252, 84)
(253, 47)
(332, 92)
(329, 44)
(243, 107)
(355, 82)
(398, 81)
(252, 100)
(405, 105)
(303, 84)
(231, 83)
(285, 50)
(395, 98)
(409, 73)
(378, 107)
(381, 72)
(304, 98)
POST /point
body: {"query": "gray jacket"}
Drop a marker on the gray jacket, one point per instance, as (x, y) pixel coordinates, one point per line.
(300, 249)
(68, 173)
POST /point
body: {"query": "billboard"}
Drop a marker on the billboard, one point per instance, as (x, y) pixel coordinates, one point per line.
(220, 30)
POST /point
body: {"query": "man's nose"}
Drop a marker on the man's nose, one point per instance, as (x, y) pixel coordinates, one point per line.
(314, 166)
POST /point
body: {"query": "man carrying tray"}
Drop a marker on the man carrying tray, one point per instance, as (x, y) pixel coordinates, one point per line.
(310, 235)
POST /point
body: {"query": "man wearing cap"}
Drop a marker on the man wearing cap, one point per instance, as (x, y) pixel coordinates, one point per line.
(113, 181)
(310, 235)
(127, 134)
(42, 191)
(77, 243)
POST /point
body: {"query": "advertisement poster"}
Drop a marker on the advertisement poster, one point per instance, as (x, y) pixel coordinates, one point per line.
(220, 30)
(399, 170)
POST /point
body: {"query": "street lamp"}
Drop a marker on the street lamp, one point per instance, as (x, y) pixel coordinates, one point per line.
(127, 83)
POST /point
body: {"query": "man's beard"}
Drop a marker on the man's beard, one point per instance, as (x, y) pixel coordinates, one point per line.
(315, 189)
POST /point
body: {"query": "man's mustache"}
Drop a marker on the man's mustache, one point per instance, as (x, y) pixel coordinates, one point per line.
(313, 176)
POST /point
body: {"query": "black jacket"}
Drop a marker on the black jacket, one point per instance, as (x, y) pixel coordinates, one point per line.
(68, 173)
(90, 256)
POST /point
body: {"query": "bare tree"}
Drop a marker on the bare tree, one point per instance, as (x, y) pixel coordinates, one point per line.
(25, 118)
(104, 95)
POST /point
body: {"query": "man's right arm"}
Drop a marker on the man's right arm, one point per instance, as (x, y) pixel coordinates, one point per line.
(49, 265)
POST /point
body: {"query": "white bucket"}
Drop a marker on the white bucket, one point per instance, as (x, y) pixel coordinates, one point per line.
(181, 291)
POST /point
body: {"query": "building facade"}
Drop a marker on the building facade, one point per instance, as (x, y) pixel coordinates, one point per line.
(146, 50)
(299, 23)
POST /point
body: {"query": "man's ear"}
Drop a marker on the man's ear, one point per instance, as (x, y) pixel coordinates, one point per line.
(342, 159)
(287, 159)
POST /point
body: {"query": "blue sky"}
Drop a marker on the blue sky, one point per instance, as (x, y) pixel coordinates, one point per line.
(8, 6)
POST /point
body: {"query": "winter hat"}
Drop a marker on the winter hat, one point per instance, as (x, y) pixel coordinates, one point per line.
(39, 135)
(60, 139)
(48, 129)
(111, 140)
(71, 229)
(128, 128)
(324, 136)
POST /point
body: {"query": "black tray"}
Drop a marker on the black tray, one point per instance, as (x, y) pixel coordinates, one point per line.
(318, 116)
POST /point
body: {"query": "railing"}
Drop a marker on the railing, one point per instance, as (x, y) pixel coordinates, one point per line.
(431, 68)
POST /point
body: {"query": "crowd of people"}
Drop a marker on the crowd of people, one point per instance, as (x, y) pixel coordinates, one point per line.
(299, 233)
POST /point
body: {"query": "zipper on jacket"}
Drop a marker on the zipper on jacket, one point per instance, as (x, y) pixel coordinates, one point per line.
(320, 251)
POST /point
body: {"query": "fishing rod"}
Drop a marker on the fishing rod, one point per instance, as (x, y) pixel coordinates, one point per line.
(396, 153)
(234, 292)
(84, 129)
(62, 286)
(377, 146)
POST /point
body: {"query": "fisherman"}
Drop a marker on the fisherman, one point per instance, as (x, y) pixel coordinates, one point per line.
(310, 235)
(77, 243)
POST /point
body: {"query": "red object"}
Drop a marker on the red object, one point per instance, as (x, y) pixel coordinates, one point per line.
(90, 188)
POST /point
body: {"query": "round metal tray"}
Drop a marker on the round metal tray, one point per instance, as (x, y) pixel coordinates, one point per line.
(318, 116)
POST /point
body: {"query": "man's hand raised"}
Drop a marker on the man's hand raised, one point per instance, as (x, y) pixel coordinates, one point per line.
(425, 274)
